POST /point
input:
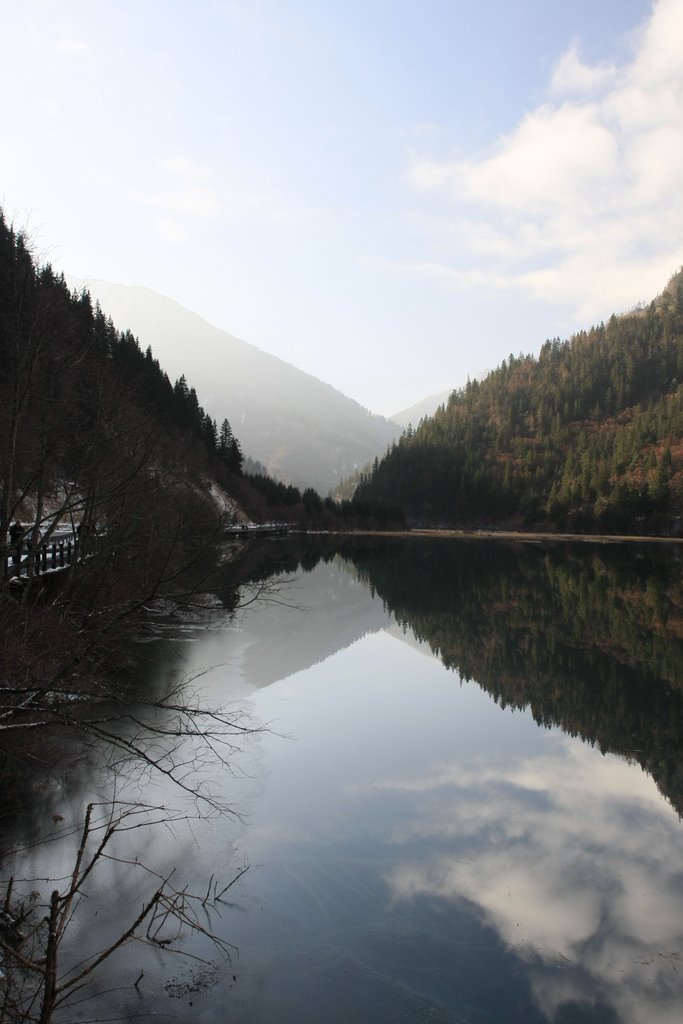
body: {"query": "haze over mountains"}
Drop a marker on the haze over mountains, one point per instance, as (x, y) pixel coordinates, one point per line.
(302, 430)
(427, 407)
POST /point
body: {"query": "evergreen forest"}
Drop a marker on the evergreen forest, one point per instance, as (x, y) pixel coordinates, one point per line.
(588, 436)
(92, 431)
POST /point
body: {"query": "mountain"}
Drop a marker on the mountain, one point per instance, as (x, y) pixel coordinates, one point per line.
(586, 436)
(302, 430)
(428, 406)
(417, 412)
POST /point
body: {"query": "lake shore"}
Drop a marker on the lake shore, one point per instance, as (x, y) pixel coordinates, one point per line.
(518, 535)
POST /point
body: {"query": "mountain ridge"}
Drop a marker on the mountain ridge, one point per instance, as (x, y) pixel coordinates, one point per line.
(586, 436)
(301, 429)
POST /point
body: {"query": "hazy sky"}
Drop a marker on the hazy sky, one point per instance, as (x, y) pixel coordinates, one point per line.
(388, 194)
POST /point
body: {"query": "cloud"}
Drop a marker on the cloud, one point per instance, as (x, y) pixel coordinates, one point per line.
(72, 46)
(195, 191)
(557, 851)
(192, 192)
(581, 203)
(185, 168)
(169, 230)
(659, 58)
(571, 75)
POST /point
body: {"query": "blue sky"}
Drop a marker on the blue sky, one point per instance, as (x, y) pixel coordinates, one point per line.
(389, 195)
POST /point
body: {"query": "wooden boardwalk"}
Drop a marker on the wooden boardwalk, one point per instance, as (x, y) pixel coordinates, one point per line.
(53, 556)
(247, 530)
(58, 552)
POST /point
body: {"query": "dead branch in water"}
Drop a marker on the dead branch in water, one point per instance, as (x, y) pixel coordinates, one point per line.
(40, 968)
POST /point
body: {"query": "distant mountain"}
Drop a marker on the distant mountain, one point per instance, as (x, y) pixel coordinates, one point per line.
(428, 406)
(417, 412)
(302, 430)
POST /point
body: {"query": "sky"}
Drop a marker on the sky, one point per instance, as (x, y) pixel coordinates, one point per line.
(390, 195)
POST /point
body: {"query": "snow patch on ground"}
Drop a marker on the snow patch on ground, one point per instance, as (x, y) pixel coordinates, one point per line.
(225, 504)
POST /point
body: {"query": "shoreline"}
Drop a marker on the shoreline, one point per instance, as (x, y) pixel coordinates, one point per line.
(531, 537)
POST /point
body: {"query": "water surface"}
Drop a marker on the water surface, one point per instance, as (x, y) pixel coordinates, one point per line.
(466, 808)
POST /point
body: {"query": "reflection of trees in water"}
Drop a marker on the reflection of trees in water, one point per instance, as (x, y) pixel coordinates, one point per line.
(124, 739)
(173, 739)
(591, 639)
(145, 726)
(40, 975)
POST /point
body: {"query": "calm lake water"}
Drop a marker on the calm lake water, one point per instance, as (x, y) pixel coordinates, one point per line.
(466, 807)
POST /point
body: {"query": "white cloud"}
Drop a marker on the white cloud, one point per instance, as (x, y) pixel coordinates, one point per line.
(581, 203)
(588, 915)
(169, 230)
(189, 200)
(185, 168)
(197, 191)
(191, 194)
(72, 46)
(571, 75)
(555, 155)
(659, 58)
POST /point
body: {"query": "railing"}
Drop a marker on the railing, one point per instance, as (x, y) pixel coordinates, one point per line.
(59, 551)
(52, 556)
(249, 529)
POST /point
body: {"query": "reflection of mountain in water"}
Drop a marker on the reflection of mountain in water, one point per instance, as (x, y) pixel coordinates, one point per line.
(589, 638)
(334, 609)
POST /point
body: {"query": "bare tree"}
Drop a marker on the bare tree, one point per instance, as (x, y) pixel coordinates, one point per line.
(82, 443)
(41, 972)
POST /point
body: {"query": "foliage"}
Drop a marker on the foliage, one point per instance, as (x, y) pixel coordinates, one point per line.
(93, 433)
(588, 436)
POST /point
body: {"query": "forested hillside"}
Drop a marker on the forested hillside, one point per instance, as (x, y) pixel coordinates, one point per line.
(94, 440)
(589, 435)
(91, 427)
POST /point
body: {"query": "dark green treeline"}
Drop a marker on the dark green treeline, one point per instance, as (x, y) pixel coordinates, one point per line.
(585, 437)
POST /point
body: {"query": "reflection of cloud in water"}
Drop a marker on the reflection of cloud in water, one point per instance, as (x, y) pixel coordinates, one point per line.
(574, 859)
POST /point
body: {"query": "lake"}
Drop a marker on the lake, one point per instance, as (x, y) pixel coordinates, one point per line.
(461, 804)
